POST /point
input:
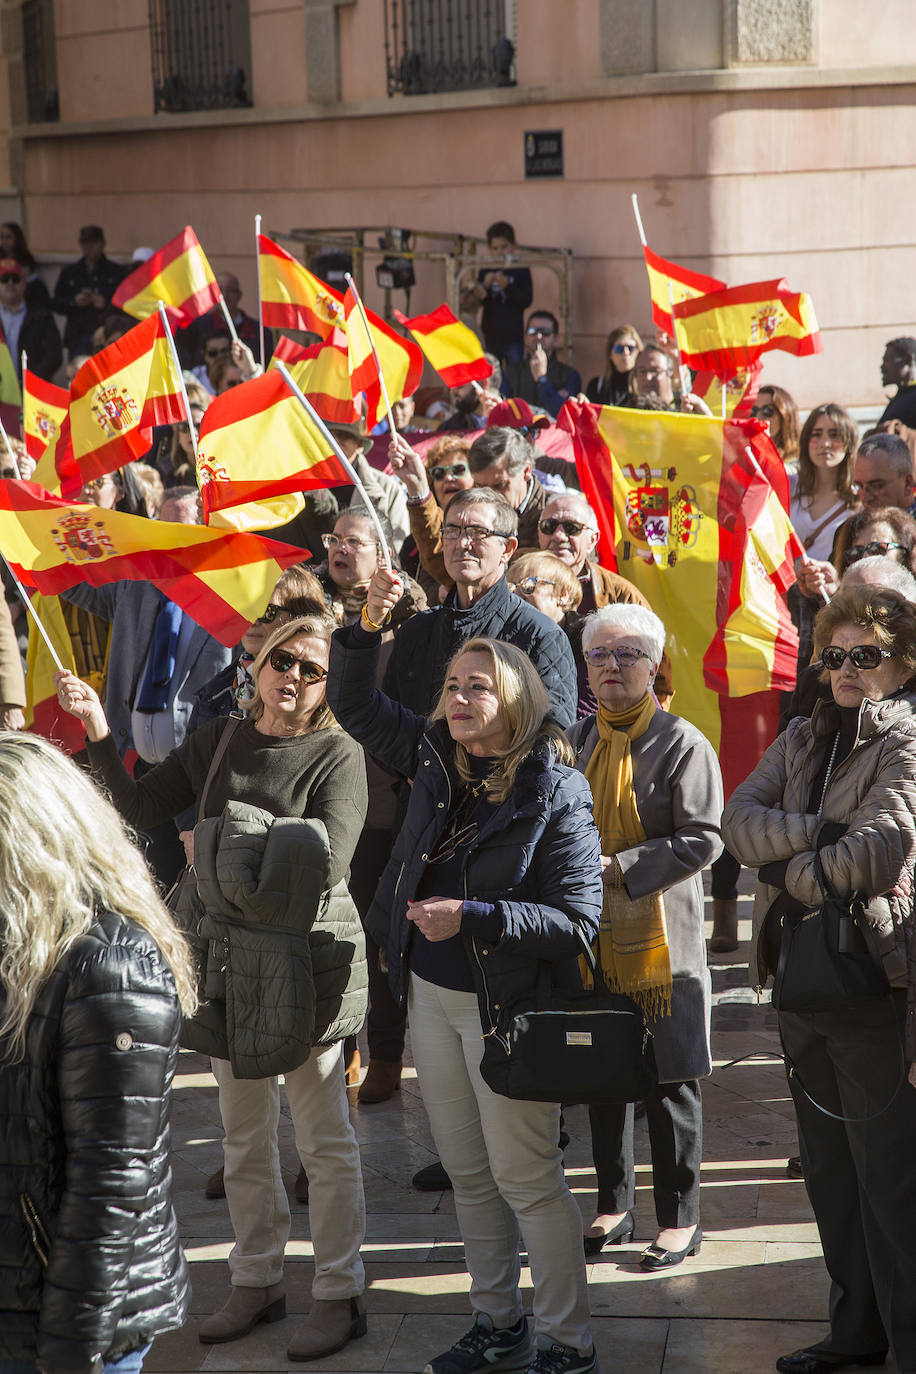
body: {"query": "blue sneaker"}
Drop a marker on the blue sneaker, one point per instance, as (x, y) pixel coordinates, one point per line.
(553, 1358)
(484, 1348)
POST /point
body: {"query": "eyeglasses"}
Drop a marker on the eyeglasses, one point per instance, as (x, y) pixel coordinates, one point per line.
(625, 657)
(269, 615)
(453, 470)
(475, 534)
(877, 548)
(861, 656)
(762, 412)
(570, 527)
(347, 543)
(624, 348)
(531, 584)
(309, 672)
(876, 487)
(539, 329)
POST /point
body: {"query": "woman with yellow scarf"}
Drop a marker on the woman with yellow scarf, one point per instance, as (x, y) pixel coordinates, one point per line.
(657, 802)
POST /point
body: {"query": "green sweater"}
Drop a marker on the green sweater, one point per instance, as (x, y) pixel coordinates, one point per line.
(321, 776)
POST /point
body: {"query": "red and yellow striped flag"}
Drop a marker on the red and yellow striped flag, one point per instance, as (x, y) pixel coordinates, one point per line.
(223, 580)
(450, 347)
(179, 276)
(399, 360)
(739, 392)
(292, 297)
(322, 372)
(685, 284)
(730, 329)
(699, 525)
(43, 409)
(258, 444)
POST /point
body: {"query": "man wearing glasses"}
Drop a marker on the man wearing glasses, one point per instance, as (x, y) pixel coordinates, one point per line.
(540, 378)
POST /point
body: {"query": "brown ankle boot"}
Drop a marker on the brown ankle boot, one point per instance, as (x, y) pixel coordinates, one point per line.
(328, 1327)
(242, 1311)
(724, 925)
(382, 1081)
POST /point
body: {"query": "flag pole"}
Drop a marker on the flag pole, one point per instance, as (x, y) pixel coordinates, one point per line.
(763, 477)
(634, 200)
(392, 428)
(184, 390)
(26, 601)
(344, 460)
(228, 318)
(9, 448)
(685, 380)
(257, 263)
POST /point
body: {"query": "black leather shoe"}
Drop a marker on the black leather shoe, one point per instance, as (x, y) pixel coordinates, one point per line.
(621, 1234)
(657, 1258)
(432, 1179)
(813, 1361)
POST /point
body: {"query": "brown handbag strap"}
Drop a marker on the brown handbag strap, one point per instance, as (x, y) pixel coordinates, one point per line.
(831, 515)
(232, 724)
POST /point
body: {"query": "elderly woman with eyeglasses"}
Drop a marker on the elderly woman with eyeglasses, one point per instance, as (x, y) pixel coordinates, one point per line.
(657, 802)
(838, 792)
(287, 762)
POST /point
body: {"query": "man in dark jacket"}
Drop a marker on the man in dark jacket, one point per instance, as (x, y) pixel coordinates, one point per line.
(540, 378)
(27, 329)
(84, 290)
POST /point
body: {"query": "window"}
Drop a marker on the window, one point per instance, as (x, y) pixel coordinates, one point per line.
(201, 51)
(448, 45)
(40, 49)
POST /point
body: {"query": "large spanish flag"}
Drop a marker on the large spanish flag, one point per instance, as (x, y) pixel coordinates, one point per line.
(322, 372)
(43, 409)
(685, 284)
(292, 297)
(730, 329)
(693, 511)
(399, 360)
(450, 347)
(223, 580)
(179, 276)
(257, 444)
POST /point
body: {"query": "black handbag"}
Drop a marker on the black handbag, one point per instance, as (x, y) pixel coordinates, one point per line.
(586, 1047)
(823, 958)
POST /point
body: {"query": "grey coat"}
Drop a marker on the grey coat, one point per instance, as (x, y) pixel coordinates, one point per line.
(679, 798)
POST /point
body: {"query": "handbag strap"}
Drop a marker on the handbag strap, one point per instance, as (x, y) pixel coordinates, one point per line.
(233, 722)
(792, 1072)
(831, 515)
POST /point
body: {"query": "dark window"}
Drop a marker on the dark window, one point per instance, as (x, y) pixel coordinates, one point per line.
(201, 53)
(40, 50)
(448, 45)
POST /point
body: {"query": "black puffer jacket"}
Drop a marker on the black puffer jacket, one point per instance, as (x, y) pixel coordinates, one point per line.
(90, 1264)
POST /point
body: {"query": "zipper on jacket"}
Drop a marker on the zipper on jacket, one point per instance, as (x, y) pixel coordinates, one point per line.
(37, 1231)
(503, 1040)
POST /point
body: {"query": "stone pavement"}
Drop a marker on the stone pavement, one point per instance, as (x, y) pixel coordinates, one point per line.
(757, 1289)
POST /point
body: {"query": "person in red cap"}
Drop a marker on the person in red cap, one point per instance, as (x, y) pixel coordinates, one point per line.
(514, 413)
(26, 328)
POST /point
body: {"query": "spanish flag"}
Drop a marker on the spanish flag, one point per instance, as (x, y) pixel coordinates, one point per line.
(43, 409)
(693, 511)
(322, 372)
(450, 347)
(43, 713)
(730, 329)
(685, 284)
(258, 444)
(292, 297)
(179, 276)
(399, 360)
(736, 393)
(223, 580)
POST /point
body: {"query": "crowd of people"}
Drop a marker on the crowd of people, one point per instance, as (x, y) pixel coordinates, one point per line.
(407, 796)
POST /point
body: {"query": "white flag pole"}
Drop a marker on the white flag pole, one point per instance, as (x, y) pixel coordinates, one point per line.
(344, 460)
(685, 376)
(33, 613)
(228, 318)
(392, 429)
(634, 200)
(184, 390)
(9, 448)
(257, 263)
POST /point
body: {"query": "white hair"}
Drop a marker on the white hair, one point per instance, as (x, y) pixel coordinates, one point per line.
(571, 495)
(881, 572)
(639, 622)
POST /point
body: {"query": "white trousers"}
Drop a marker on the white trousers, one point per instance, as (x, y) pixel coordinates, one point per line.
(505, 1165)
(328, 1149)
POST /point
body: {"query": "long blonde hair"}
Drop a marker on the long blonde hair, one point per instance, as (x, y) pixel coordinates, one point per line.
(525, 707)
(65, 854)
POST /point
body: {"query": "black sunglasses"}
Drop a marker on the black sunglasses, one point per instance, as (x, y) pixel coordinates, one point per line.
(570, 527)
(283, 662)
(877, 548)
(453, 470)
(8, 277)
(860, 656)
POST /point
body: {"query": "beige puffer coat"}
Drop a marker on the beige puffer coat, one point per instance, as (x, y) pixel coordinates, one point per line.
(872, 791)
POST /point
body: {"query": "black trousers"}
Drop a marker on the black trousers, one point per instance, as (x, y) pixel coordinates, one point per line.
(674, 1115)
(860, 1175)
(387, 1022)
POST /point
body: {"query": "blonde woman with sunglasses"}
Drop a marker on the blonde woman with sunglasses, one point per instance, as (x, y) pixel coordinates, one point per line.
(287, 758)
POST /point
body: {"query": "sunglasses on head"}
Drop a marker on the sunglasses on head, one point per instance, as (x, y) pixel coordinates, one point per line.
(877, 548)
(569, 527)
(283, 662)
(860, 656)
(453, 470)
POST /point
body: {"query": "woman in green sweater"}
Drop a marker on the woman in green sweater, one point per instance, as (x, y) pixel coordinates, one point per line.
(289, 758)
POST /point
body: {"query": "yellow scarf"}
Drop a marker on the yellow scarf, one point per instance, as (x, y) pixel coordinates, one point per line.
(632, 942)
